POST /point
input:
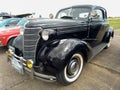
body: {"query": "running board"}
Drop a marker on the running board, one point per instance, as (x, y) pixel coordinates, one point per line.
(98, 49)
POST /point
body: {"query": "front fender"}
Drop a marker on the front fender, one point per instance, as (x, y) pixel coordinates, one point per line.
(58, 56)
(18, 43)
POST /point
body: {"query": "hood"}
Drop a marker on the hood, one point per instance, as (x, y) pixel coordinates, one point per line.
(53, 23)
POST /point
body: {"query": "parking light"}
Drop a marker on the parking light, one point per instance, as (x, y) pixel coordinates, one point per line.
(9, 53)
(29, 63)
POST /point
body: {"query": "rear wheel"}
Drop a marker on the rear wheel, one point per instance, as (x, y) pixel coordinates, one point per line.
(72, 70)
(108, 44)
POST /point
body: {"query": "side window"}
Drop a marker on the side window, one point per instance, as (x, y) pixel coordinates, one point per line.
(97, 14)
(80, 13)
(64, 13)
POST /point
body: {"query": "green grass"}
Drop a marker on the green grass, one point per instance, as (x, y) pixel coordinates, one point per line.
(114, 22)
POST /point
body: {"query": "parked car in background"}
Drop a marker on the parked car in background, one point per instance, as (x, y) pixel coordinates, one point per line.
(57, 49)
(10, 21)
(9, 29)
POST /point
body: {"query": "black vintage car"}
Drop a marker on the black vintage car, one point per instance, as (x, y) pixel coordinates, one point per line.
(56, 49)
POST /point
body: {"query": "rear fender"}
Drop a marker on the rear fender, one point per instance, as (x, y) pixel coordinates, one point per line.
(109, 33)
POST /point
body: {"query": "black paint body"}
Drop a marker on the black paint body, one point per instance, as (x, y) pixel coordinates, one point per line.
(68, 36)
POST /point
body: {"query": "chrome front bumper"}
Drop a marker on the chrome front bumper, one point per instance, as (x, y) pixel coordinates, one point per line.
(22, 62)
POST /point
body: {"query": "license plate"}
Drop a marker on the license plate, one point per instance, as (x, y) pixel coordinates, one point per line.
(18, 67)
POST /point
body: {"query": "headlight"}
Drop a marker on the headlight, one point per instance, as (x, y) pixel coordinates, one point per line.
(21, 30)
(45, 35)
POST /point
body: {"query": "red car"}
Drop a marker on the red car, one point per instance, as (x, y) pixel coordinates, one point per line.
(8, 34)
(10, 31)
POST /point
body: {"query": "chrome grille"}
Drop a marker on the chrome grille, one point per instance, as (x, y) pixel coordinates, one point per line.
(31, 37)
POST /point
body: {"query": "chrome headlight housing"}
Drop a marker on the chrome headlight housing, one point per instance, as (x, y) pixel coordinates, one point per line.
(46, 34)
(22, 30)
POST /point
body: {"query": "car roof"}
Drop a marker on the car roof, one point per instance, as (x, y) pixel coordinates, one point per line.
(87, 6)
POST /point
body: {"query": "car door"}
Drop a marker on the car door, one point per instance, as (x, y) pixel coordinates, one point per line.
(97, 26)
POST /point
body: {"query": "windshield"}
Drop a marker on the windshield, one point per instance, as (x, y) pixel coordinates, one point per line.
(74, 13)
(23, 22)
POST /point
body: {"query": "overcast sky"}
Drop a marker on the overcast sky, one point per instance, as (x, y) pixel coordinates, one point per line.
(45, 7)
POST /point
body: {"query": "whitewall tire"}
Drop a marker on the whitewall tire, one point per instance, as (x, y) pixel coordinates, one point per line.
(72, 70)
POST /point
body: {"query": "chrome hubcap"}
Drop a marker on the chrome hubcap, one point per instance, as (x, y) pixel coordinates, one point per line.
(73, 68)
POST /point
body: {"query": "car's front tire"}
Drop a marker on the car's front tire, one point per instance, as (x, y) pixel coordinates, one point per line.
(72, 70)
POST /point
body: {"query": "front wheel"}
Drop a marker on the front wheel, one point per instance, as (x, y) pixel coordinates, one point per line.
(72, 70)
